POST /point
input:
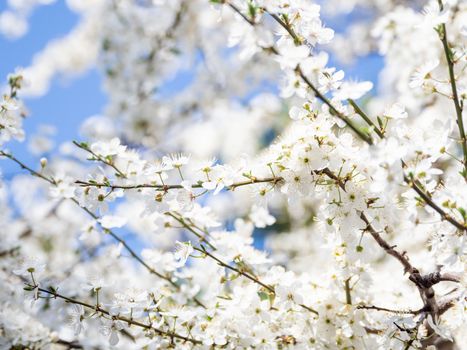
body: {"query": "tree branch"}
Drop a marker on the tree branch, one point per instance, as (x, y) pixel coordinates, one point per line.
(101, 159)
(365, 117)
(378, 308)
(129, 321)
(427, 199)
(166, 188)
(455, 96)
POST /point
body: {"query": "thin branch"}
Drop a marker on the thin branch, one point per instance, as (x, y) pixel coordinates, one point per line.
(29, 169)
(401, 257)
(445, 305)
(101, 159)
(287, 27)
(243, 273)
(201, 238)
(365, 117)
(68, 344)
(237, 10)
(455, 96)
(166, 188)
(130, 321)
(427, 199)
(378, 308)
(348, 290)
(334, 111)
(124, 243)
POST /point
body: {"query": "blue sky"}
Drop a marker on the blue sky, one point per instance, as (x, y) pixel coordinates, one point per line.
(70, 101)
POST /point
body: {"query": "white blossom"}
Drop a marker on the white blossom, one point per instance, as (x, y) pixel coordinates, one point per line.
(76, 318)
(182, 251)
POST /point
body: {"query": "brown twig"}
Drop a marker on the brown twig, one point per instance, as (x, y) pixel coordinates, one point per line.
(166, 188)
(412, 183)
(378, 308)
(101, 159)
(129, 321)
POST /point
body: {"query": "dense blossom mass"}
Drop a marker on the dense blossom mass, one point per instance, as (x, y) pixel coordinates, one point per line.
(268, 203)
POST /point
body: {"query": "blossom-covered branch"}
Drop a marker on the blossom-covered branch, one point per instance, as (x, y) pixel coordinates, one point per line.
(99, 310)
(458, 104)
(365, 137)
(107, 230)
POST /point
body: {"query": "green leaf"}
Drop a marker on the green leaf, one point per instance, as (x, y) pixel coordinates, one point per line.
(463, 212)
(252, 10)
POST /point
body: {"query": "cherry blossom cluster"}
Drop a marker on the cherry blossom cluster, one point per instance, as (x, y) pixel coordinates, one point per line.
(228, 215)
(11, 115)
